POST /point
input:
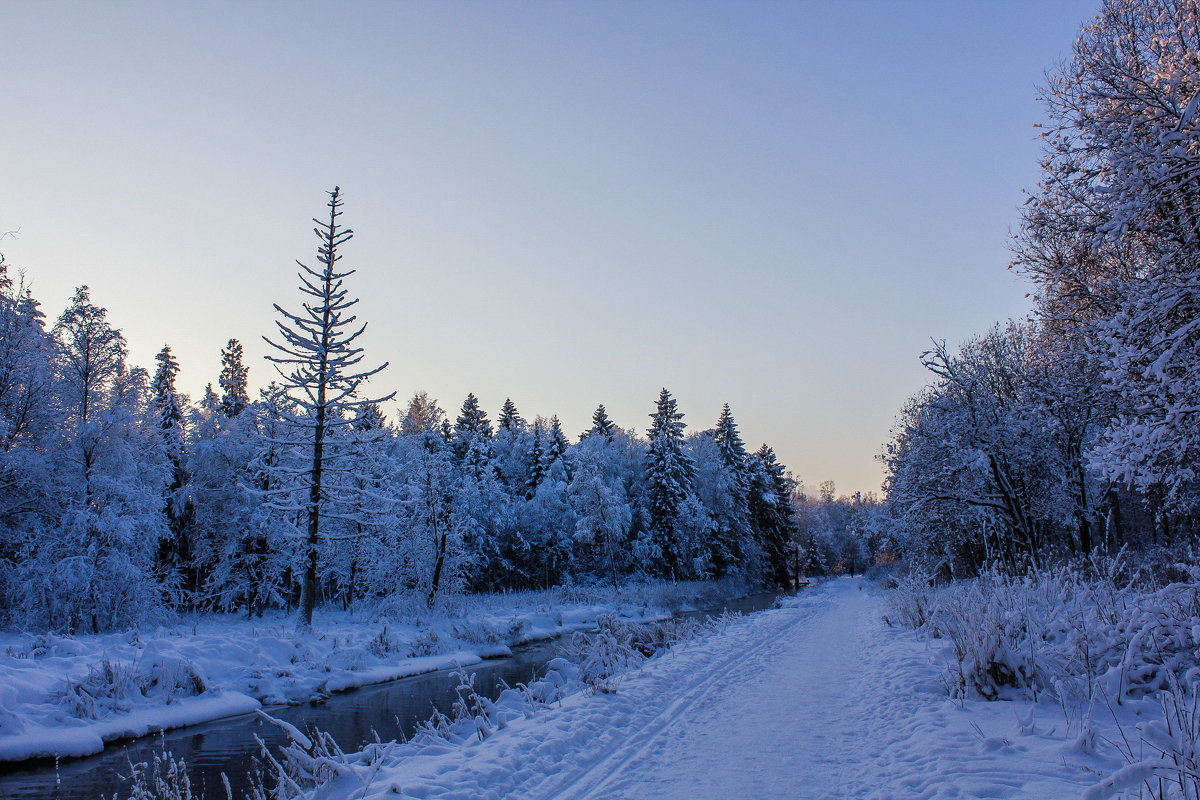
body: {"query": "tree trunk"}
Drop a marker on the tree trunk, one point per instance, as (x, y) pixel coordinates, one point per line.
(437, 570)
(308, 598)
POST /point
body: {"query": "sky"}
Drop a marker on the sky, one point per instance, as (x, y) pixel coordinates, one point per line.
(767, 204)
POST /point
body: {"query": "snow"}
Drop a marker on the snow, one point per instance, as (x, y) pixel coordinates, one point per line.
(68, 696)
(819, 699)
(54, 737)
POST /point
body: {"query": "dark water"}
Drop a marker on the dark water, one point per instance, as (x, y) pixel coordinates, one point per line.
(228, 745)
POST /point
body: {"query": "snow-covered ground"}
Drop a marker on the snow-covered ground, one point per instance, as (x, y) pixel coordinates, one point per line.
(819, 699)
(67, 696)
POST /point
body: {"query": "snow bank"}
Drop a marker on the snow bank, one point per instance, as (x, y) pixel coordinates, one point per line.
(66, 696)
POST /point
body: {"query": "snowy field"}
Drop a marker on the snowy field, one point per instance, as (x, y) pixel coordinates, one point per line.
(819, 699)
(67, 696)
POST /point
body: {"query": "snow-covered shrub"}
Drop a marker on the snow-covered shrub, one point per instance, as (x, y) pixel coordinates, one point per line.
(106, 685)
(911, 602)
(475, 633)
(36, 646)
(1072, 630)
(517, 629)
(163, 778)
(1163, 755)
(171, 678)
(383, 645)
(612, 650)
(352, 658)
(110, 683)
(426, 644)
(308, 761)
(475, 716)
(100, 591)
(470, 705)
(994, 639)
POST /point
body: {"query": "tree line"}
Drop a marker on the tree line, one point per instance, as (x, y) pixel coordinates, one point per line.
(1079, 428)
(121, 500)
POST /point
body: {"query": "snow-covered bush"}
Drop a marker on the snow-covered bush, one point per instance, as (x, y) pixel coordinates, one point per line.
(1072, 630)
(308, 761)
(171, 678)
(911, 602)
(994, 639)
(475, 633)
(162, 778)
(1163, 755)
(384, 644)
(614, 649)
(111, 682)
(106, 685)
(427, 643)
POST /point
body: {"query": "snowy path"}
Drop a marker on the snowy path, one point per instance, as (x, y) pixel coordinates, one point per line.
(820, 700)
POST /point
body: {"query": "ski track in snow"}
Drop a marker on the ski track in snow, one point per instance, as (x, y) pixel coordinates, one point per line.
(817, 700)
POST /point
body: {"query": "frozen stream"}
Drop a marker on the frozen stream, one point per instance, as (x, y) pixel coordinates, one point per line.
(228, 745)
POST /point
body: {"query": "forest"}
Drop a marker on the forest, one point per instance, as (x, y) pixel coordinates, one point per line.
(1078, 428)
(122, 501)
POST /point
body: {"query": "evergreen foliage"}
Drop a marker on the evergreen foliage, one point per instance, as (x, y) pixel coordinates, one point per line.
(510, 420)
(601, 424)
(669, 473)
(234, 374)
(176, 551)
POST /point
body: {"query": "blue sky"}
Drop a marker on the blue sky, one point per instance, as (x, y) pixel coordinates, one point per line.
(774, 205)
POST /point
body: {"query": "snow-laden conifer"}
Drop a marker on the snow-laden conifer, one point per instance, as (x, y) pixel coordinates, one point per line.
(510, 419)
(771, 513)
(669, 473)
(177, 551)
(601, 424)
(557, 463)
(318, 358)
(537, 463)
(472, 437)
(234, 374)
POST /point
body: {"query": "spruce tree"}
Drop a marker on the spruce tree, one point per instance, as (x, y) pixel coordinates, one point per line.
(511, 449)
(732, 448)
(669, 472)
(771, 516)
(176, 553)
(318, 360)
(601, 424)
(727, 548)
(234, 373)
(510, 420)
(537, 464)
(472, 419)
(556, 449)
(167, 407)
(814, 561)
(472, 438)
(211, 401)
